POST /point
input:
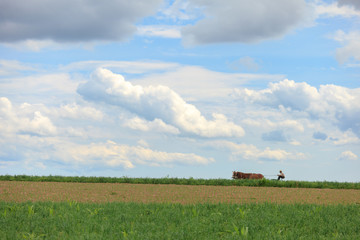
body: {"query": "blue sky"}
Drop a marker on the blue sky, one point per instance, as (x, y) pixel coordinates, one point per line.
(184, 88)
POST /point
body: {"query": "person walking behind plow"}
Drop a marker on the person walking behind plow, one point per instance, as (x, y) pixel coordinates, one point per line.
(281, 175)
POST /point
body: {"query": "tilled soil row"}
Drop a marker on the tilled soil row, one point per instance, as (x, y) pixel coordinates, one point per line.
(14, 191)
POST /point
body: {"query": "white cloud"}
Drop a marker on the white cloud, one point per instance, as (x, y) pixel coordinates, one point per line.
(13, 120)
(38, 125)
(143, 143)
(42, 121)
(205, 84)
(30, 138)
(287, 93)
(7, 115)
(251, 152)
(348, 155)
(343, 138)
(245, 21)
(335, 9)
(159, 31)
(12, 67)
(331, 103)
(37, 86)
(267, 124)
(112, 154)
(156, 125)
(155, 102)
(75, 111)
(350, 52)
(71, 21)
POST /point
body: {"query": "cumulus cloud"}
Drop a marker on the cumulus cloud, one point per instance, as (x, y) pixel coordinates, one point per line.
(251, 152)
(245, 21)
(72, 20)
(336, 104)
(348, 155)
(205, 84)
(112, 154)
(156, 125)
(13, 120)
(42, 121)
(29, 137)
(287, 93)
(155, 102)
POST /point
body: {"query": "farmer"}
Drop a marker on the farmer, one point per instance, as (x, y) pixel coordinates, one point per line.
(281, 175)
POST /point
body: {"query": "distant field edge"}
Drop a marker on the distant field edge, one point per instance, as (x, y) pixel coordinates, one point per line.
(185, 181)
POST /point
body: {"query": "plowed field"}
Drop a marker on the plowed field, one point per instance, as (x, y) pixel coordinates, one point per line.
(184, 194)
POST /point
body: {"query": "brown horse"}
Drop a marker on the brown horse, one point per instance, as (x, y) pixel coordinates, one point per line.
(241, 175)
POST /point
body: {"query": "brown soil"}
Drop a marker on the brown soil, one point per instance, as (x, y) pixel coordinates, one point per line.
(115, 192)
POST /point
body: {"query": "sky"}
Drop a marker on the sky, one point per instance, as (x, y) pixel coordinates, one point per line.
(180, 88)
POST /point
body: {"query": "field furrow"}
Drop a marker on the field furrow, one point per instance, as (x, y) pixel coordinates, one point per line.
(14, 191)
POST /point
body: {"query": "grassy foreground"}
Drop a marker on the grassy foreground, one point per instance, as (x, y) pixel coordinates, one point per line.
(186, 181)
(72, 220)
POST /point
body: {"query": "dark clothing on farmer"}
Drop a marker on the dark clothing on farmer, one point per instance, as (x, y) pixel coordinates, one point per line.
(281, 177)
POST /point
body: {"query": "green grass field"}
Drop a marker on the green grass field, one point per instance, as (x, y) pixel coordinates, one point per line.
(72, 220)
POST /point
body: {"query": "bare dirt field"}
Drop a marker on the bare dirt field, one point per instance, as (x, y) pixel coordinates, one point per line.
(14, 191)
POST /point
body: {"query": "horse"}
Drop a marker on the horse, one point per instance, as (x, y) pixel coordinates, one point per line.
(241, 175)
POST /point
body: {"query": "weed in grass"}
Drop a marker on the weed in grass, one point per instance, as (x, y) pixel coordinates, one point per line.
(241, 212)
(51, 212)
(31, 211)
(94, 211)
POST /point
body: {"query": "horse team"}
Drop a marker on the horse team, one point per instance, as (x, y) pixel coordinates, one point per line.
(241, 175)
